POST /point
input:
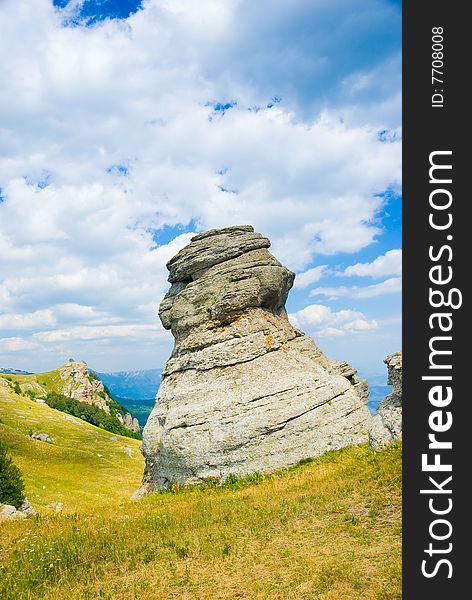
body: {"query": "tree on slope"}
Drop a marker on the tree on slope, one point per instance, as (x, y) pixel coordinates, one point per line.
(11, 481)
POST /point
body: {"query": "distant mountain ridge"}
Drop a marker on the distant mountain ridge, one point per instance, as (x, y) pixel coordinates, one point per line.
(376, 394)
(132, 385)
(14, 372)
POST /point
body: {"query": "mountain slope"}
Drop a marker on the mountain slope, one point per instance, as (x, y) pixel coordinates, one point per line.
(81, 468)
(134, 389)
(328, 528)
(136, 385)
(141, 408)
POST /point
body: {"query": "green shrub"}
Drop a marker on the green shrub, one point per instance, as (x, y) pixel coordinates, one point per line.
(11, 481)
(91, 413)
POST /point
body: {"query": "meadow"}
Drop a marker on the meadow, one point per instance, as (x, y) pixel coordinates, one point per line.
(329, 528)
(82, 468)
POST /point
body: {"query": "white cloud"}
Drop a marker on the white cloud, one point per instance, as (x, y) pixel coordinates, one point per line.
(78, 312)
(361, 325)
(321, 321)
(389, 263)
(389, 286)
(107, 138)
(16, 344)
(101, 332)
(303, 280)
(330, 332)
(38, 318)
(88, 99)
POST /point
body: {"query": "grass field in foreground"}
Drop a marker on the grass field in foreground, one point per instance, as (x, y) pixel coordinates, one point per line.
(329, 529)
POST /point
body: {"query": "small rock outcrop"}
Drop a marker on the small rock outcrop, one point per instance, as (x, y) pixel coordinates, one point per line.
(130, 422)
(80, 384)
(7, 511)
(41, 437)
(243, 390)
(386, 425)
(84, 386)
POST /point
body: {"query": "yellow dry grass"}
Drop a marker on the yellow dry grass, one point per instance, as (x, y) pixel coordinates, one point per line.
(329, 529)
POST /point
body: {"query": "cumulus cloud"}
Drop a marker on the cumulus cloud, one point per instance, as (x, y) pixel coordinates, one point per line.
(38, 318)
(16, 344)
(101, 332)
(389, 286)
(308, 183)
(389, 263)
(115, 146)
(303, 280)
(321, 321)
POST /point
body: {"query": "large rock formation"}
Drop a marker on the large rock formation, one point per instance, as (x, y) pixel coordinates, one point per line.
(386, 425)
(243, 390)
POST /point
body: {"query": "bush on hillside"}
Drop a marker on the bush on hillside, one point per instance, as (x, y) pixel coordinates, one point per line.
(11, 481)
(89, 412)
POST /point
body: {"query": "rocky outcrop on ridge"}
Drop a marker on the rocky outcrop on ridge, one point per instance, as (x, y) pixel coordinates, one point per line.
(386, 425)
(243, 390)
(79, 384)
(84, 386)
(73, 380)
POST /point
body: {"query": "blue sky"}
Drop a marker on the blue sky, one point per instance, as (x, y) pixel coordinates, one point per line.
(93, 11)
(128, 126)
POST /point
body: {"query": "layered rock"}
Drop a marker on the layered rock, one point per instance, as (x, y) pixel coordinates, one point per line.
(243, 390)
(386, 425)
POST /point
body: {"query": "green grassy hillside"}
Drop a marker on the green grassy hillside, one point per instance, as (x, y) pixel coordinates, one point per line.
(83, 468)
(42, 382)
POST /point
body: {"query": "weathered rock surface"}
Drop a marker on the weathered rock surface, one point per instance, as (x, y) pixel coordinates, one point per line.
(386, 425)
(7, 511)
(27, 508)
(243, 390)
